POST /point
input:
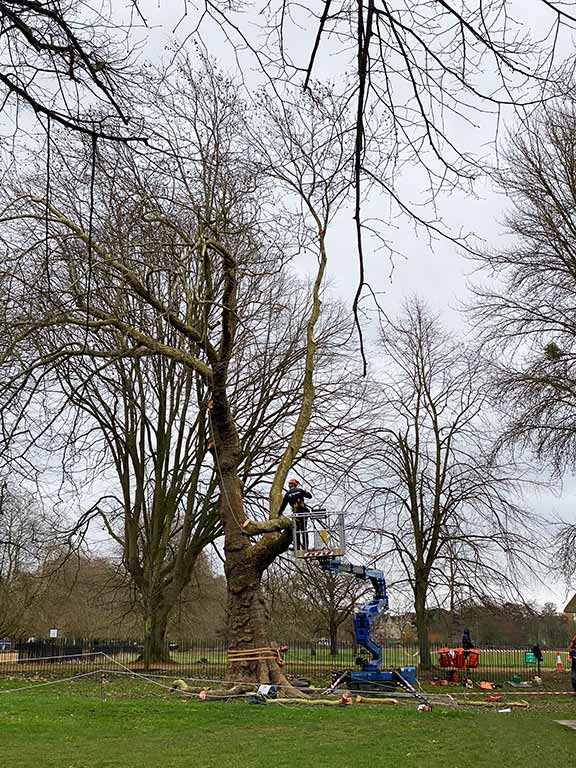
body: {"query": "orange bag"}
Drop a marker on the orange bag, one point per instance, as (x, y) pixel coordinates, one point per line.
(455, 657)
(445, 657)
(473, 658)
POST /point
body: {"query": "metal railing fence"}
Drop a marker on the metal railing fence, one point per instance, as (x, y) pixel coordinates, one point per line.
(207, 659)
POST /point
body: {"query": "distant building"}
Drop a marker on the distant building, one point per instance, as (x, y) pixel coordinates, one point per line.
(571, 608)
(398, 628)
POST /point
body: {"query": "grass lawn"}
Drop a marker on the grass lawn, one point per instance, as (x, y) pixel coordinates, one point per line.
(136, 726)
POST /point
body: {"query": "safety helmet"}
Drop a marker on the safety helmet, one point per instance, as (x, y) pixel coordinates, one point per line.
(292, 481)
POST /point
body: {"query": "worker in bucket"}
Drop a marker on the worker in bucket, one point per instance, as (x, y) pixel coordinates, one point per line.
(295, 496)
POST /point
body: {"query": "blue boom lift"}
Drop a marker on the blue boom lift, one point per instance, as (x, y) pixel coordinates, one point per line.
(324, 541)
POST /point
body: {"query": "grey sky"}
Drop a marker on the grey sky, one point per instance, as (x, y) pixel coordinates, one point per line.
(437, 274)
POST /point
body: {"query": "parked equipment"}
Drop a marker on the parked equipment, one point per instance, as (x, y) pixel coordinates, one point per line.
(370, 677)
(458, 658)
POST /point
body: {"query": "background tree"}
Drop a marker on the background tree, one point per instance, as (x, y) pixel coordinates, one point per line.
(308, 604)
(446, 512)
(89, 596)
(135, 424)
(148, 439)
(525, 315)
(23, 545)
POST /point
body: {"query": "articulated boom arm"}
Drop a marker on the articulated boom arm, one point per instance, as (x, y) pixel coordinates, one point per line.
(367, 614)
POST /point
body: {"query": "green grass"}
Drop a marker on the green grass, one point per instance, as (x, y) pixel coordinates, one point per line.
(136, 726)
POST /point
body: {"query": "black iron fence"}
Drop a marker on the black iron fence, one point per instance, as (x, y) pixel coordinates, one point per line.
(207, 659)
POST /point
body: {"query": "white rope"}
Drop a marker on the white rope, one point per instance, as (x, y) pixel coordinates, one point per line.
(132, 672)
(193, 679)
(434, 698)
(33, 659)
(51, 682)
(136, 673)
(127, 670)
(169, 687)
(220, 681)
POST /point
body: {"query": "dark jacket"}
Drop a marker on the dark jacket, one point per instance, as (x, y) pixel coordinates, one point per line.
(295, 497)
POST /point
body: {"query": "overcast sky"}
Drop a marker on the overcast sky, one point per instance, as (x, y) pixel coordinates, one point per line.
(439, 274)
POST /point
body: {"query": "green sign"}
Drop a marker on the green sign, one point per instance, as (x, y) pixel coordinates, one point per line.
(529, 657)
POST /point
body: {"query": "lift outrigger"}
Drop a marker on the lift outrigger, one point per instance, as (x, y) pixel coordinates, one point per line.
(320, 535)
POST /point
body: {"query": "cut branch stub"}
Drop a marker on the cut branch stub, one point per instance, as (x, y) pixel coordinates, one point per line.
(252, 528)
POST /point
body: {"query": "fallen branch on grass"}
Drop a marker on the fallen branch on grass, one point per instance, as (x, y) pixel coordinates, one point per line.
(517, 704)
(331, 702)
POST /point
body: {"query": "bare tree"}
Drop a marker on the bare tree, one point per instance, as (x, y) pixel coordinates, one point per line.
(88, 596)
(448, 513)
(308, 604)
(208, 212)
(64, 60)
(23, 545)
(330, 600)
(525, 314)
(148, 436)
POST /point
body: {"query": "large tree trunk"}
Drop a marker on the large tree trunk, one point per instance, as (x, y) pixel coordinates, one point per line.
(247, 625)
(247, 615)
(422, 623)
(155, 646)
(245, 563)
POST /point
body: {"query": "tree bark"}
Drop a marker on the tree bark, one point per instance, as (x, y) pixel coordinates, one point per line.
(422, 623)
(247, 625)
(247, 614)
(155, 647)
(245, 563)
(333, 639)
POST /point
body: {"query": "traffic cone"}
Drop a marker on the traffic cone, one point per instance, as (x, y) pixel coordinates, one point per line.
(558, 662)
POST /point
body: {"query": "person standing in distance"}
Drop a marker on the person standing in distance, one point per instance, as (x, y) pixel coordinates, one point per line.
(572, 657)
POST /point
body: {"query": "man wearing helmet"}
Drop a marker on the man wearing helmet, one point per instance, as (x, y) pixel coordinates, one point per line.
(295, 496)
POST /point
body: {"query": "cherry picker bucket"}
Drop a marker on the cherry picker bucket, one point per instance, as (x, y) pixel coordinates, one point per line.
(318, 533)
